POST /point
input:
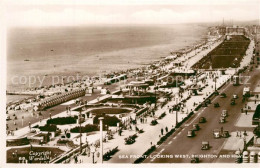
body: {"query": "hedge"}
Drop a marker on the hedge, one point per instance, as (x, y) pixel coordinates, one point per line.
(148, 152)
(108, 120)
(49, 128)
(86, 128)
(62, 120)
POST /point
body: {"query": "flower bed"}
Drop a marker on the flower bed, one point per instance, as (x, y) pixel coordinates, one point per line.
(109, 153)
(86, 128)
(62, 120)
(108, 120)
(49, 128)
(162, 115)
(154, 122)
(147, 153)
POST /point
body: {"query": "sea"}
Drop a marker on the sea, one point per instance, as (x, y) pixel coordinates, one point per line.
(38, 55)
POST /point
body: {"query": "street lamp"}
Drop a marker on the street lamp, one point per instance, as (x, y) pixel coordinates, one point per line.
(22, 120)
(155, 88)
(80, 143)
(176, 117)
(215, 84)
(101, 137)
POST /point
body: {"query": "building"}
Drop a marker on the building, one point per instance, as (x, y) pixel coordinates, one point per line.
(235, 30)
(55, 100)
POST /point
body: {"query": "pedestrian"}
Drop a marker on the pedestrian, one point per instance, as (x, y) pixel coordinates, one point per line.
(237, 134)
(162, 131)
(255, 101)
(166, 129)
(246, 112)
(245, 134)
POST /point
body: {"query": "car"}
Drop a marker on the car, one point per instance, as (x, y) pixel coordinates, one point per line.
(202, 120)
(225, 134)
(196, 127)
(222, 120)
(216, 133)
(224, 113)
(208, 101)
(191, 133)
(8, 118)
(205, 145)
(233, 102)
(204, 104)
(195, 159)
(235, 96)
(223, 95)
(216, 105)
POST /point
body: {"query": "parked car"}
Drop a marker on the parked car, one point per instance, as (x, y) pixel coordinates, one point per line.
(202, 120)
(216, 133)
(222, 120)
(223, 95)
(224, 113)
(205, 145)
(195, 159)
(233, 102)
(208, 101)
(216, 105)
(225, 134)
(196, 127)
(191, 133)
(204, 104)
(235, 96)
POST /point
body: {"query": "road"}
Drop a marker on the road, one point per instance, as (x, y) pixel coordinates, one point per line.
(180, 144)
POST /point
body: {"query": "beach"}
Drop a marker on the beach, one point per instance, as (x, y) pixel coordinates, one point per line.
(70, 51)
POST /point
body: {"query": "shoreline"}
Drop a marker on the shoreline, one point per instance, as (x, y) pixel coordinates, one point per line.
(183, 50)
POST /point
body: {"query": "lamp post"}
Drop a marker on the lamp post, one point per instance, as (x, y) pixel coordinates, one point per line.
(155, 88)
(215, 84)
(101, 138)
(176, 117)
(22, 120)
(80, 134)
(30, 125)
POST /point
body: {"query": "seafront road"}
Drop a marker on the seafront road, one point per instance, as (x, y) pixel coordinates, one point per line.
(180, 144)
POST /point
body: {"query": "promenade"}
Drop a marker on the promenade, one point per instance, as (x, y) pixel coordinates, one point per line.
(207, 82)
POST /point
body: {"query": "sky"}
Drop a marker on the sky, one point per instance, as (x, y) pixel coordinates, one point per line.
(75, 13)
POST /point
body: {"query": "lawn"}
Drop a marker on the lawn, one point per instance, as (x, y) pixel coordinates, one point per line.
(228, 54)
(110, 110)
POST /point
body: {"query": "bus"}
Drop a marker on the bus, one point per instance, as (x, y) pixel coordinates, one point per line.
(235, 80)
(246, 92)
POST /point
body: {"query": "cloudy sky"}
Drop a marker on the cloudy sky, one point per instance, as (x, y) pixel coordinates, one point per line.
(74, 13)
